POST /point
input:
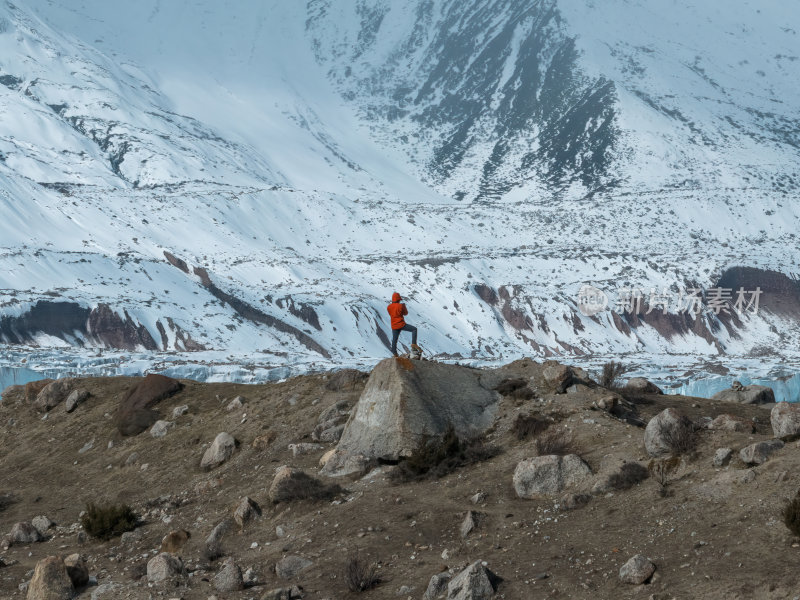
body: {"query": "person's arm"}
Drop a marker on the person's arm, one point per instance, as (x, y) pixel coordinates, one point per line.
(405, 310)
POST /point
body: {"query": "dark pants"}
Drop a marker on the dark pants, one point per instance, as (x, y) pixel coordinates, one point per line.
(396, 334)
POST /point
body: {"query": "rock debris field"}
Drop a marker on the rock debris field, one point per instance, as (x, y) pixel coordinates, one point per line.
(419, 480)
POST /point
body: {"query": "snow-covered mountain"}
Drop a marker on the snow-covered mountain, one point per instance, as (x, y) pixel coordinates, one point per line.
(249, 181)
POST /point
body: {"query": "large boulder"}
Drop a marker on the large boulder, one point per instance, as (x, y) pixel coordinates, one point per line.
(24, 533)
(163, 567)
(50, 581)
(665, 431)
(759, 453)
(53, 394)
(135, 413)
(220, 450)
(640, 385)
(785, 419)
(476, 582)
(229, 579)
(748, 394)
(548, 475)
(75, 398)
(406, 402)
(32, 389)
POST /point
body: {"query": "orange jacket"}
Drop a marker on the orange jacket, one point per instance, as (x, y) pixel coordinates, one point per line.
(396, 310)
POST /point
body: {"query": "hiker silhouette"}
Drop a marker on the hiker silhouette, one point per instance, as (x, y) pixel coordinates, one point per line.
(397, 310)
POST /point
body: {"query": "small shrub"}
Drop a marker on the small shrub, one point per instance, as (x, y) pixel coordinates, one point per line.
(791, 515)
(555, 441)
(360, 575)
(107, 521)
(304, 487)
(612, 371)
(439, 457)
(681, 439)
(526, 426)
(628, 476)
(660, 470)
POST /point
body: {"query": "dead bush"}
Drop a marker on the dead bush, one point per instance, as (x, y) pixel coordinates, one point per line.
(555, 441)
(612, 371)
(526, 426)
(791, 515)
(302, 486)
(106, 521)
(438, 457)
(681, 439)
(628, 476)
(661, 470)
(360, 574)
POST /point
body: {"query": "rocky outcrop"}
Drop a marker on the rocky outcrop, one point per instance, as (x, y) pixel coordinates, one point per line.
(105, 325)
(53, 394)
(135, 413)
(406, 402)
(748, 394)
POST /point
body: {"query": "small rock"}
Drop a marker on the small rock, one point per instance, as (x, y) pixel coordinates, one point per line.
(107, 591)
(291, 566)
(246, 511)
(50, 581)
(86, 447)
(133, 457)
(24, 533)
(42, 524)
(77, 570)
(759, 453)
(75, 398)
(573, 501)
(476, 582)
(304, 448)
(130, 537)
(179, 411)
(237, 402)
(722, 457)
(478, 498)
(437, 586)
(229, 579)
(637, 570)
(214, 540)
(469, 523)
(164, 566)
(220, 450)
(277, 594)
(160, 428)
(732, 423)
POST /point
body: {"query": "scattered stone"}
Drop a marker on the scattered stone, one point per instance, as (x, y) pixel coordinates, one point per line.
(478, 498)
(573, 501)
(284, 484)
(338, 463)
(220, 450)
(476, 582)
(640, 385)
(246, 511)
(660, 429)
(748, 394)
(278, 594)
(236, 403)
(86, 447)
(107, 591)
(304, 448)
(164, 566)
(331, 422)
(732, 423)
(135, 413)
(469, 523)
(77, 570)
(132, 459)
(53, 394)
(175, 540)
(179, 411)
(229, 579)
(160, 428)
(75, 398)
(291, 566)
(42, 524)
(214, 539)
(130, 537)
(24, 533)
(722, 457)
(50, 581)
(637, 570)
(558, 376)
(546, 475)
(785, 419)
(759, 453)
(437, 586)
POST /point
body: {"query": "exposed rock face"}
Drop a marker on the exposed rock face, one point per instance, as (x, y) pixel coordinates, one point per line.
(50, 581)
(759, 453)
(642, 386)
(220, 450)
(135, 413)
(785, 419)
(749, 394)
(346, 380)
(406, 402)
(637, 570)
(664, 427)
(53, 394)
(106, 326)
(548, 475)
(331, 422)
(476, 582)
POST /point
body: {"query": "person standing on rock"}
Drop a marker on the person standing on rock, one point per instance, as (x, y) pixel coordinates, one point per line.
(397, 310)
